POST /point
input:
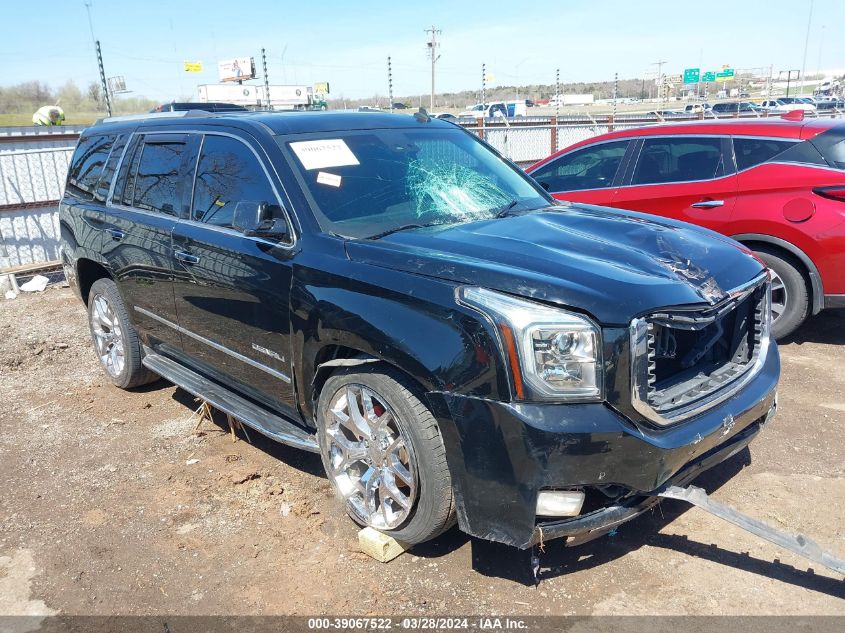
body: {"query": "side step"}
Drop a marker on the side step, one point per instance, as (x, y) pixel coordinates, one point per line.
(797, 543)
(272, 425)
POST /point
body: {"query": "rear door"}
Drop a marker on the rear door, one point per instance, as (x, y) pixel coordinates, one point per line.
(232, 291)
(588, 174)
(689, 178)
(148, 195)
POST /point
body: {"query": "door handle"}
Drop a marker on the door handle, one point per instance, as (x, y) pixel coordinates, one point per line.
(708, 204)
(116, 234)
(184, 256)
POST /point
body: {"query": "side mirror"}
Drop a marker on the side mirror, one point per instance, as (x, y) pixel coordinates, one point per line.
(259, 219)
(545, 185)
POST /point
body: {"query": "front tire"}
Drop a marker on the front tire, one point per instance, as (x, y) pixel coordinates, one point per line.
(382, 451)
(790, 294)
(115, 338)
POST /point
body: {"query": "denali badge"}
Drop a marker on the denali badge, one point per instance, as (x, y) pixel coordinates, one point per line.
(268, 352)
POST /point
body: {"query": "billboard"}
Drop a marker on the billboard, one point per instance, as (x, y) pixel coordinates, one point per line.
(238, 69)
(192, 67)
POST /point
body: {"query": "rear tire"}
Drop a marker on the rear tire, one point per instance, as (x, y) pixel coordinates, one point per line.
(115, 338)
(790, 292)
(363, 468)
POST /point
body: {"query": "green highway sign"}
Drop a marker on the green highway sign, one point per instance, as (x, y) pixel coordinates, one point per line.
(726, 74)
(691, 75)
(708, 77)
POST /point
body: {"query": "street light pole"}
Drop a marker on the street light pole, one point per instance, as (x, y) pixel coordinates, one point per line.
(433, 44)
(806, 44)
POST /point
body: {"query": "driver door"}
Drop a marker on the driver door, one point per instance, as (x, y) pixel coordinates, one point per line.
(232, 292)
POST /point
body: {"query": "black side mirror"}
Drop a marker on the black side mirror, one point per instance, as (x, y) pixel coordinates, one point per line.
(259, 219)
(545, 185)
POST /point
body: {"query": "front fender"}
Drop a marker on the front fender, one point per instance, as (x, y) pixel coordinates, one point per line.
(408, 321)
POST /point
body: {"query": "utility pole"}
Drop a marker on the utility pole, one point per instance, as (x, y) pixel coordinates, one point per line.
(390, 84)
(806, 44)
(483, 84)
(615, 92)
(266, 80)
(659, 65)
(557, 93)
(433, 44)
(103, 78)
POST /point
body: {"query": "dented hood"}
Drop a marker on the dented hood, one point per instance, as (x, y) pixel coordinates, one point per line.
(611, 264)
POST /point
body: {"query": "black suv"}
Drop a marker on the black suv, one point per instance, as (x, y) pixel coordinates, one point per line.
(390, 292)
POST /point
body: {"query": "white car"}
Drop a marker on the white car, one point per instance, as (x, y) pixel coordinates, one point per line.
(787, 104)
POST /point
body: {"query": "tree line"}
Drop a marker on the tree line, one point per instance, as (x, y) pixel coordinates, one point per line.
(28, 96)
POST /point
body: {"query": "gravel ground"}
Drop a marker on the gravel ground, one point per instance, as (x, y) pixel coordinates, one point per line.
(111, 504)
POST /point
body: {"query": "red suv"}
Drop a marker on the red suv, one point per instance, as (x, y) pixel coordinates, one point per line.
(777, 186)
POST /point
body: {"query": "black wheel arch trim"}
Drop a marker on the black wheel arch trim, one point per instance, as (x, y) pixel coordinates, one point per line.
(816, 287)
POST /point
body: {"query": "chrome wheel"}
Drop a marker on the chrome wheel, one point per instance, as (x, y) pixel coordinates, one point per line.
(108, 336)
(779, 295)
(370, 460)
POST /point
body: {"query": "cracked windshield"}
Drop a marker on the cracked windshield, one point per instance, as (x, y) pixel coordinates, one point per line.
(373, 182)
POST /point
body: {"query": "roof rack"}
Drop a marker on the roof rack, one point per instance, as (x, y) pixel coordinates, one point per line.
(155, 115)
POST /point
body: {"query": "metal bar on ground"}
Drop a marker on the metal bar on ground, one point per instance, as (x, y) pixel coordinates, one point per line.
(796, 543)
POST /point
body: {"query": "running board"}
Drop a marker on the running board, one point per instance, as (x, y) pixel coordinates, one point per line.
(797, 543)
(272, 425)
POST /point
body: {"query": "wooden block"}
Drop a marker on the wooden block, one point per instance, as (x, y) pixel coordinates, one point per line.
(380, 546)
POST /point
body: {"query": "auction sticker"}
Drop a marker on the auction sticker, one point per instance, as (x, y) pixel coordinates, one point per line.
(324, 153)
(325, 178)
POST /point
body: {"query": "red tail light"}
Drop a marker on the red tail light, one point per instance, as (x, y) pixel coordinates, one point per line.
(837, 192)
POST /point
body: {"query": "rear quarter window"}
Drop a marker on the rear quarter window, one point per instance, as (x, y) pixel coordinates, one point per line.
(87, 163)
(831, 145)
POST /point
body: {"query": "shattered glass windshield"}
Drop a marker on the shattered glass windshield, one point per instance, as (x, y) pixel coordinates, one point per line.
(371, 182)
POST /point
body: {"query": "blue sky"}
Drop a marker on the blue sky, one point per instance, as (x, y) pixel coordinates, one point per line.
(347, 42)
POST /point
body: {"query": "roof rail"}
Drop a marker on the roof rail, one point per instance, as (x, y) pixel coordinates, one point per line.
(154, 115)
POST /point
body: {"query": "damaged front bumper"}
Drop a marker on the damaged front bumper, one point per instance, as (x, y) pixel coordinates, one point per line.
(501, 455)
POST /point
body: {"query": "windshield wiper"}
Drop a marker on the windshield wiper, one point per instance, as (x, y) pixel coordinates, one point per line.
(505, 210)
(396, 229)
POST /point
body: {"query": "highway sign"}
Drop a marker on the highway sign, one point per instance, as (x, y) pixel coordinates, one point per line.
(726, 74)
(692, 75)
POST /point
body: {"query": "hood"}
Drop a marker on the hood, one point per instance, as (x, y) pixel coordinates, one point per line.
(610, 264)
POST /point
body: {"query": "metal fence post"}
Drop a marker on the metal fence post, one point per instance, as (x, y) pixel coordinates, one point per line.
(554, 134)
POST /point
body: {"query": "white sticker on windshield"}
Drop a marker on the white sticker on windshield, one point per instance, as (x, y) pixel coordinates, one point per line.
(325, 178)
(326, 153)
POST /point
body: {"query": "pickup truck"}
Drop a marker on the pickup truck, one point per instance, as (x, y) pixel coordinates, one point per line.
(391, 293)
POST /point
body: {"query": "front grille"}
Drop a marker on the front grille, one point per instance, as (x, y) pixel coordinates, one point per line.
(688, 358)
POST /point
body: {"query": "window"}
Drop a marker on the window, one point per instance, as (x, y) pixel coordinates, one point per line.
(588, 168)
(750, 152)
(362, 183)
(228, 173)
(157, 179)
(103, 185)
(678, 159)
(87, 164)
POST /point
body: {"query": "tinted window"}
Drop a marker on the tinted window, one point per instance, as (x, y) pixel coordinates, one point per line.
(87, 164)
(832, 145)
(228, 173)
(587, 168)
(754, 151)
(678, 160)
(157, 178)
(107, 174)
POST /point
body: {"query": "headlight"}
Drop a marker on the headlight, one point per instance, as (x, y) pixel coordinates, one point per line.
(552, 354)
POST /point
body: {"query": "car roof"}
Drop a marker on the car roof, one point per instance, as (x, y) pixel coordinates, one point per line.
(295, 122)
(769, 127)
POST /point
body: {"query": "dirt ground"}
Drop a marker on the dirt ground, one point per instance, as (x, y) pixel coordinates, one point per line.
(111, 505)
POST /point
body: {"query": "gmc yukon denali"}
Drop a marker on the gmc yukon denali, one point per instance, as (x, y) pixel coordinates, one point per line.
(391, 293)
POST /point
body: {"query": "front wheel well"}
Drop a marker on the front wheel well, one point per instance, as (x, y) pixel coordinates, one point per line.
(87, 272)
(331, 358)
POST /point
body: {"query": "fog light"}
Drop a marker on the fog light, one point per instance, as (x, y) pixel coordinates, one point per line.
(559, 503)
